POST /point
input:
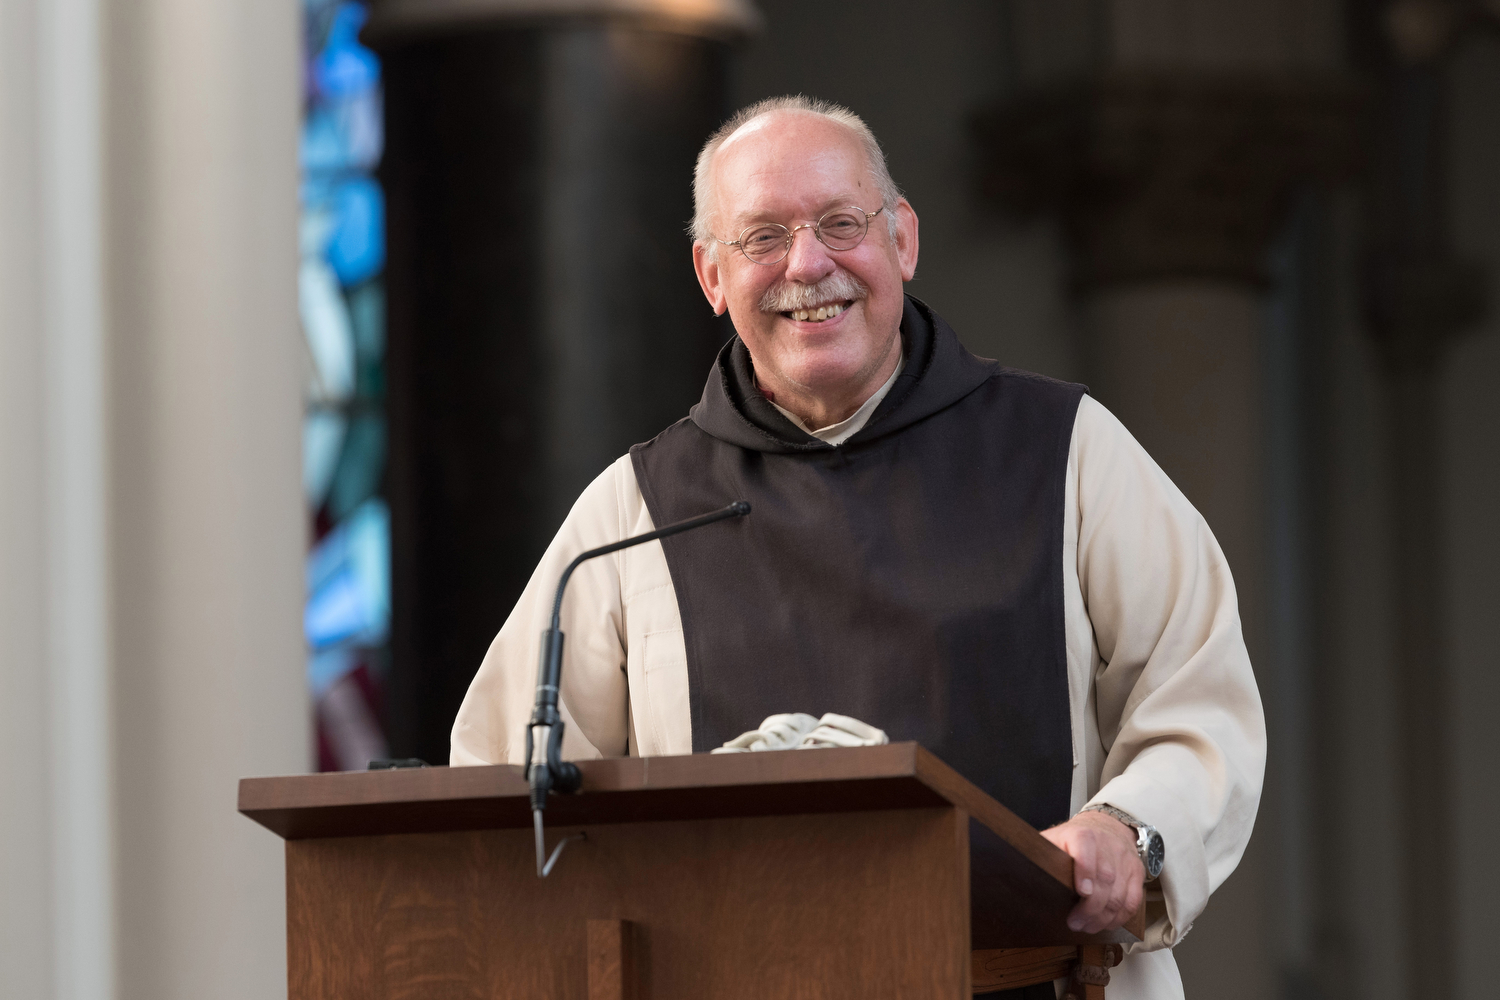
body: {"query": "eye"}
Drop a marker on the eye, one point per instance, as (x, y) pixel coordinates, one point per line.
(842, 226)
(762, 239)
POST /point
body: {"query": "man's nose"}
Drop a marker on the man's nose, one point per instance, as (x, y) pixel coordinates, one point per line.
(809, 260)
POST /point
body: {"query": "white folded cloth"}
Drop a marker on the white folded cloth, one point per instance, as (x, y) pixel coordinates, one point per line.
(798, 731)
(842, 731)
(777, 732)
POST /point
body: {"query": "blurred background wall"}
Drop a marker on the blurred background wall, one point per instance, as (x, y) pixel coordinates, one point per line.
(1266, 234)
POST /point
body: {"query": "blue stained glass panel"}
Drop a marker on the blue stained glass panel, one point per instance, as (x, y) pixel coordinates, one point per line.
(356, 250)
(344, 66)
(342, 305)
(348, 580)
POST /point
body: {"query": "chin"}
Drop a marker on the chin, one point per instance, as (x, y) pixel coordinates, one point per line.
(816, 374)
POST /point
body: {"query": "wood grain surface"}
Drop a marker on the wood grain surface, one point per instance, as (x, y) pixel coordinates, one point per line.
(612, 972)
(793, 907)
(615, 790)
(1011, 968)
(1021, 884)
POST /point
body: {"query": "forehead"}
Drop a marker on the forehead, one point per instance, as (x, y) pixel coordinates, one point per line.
(790, 166)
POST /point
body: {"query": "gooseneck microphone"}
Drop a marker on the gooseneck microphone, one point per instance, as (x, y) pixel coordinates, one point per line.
(550, 773)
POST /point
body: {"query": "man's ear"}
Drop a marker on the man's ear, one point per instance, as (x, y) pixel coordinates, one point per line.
(709, 278)
(906, 239)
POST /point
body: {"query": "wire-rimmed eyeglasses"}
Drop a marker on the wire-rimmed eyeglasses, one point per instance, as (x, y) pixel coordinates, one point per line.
(838, 229)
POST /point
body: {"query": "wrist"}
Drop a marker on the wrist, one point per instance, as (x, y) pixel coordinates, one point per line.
(1107, 818)
(1149, 846)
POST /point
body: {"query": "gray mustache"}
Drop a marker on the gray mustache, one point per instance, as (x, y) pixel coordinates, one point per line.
(785, 296)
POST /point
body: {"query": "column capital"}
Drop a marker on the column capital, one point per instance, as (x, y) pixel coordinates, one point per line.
(1172, 174)
(393, 22)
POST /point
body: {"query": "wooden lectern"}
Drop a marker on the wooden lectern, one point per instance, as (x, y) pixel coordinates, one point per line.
(862, 873)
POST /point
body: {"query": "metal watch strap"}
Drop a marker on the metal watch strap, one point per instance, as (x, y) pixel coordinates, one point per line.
(1119, 814)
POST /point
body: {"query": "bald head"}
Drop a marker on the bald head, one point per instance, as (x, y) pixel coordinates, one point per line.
(764, 126)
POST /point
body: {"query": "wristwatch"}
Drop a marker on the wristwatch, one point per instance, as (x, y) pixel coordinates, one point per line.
(1148, 842)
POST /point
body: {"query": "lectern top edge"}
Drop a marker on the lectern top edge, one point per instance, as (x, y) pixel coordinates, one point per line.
(626, 789)
(886, 779)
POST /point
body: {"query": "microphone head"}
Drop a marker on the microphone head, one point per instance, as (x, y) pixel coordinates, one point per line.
(740, 507)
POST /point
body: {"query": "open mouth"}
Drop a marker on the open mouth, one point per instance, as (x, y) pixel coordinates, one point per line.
(820, 313)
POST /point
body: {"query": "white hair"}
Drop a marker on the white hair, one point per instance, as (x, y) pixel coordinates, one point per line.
(702, 227)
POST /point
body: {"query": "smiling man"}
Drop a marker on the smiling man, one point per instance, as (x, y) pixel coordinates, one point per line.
(973, 557)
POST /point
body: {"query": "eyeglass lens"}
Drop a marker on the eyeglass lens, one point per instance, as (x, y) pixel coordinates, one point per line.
(841, 229)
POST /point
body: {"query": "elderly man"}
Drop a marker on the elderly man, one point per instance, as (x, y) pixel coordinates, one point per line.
(970, 556)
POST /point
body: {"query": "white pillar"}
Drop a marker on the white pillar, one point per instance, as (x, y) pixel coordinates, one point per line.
(151, 530)
(56, 886)
(26, 904)
(208, 520)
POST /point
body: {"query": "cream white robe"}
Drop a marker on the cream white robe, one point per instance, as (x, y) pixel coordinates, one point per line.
(1167, 720)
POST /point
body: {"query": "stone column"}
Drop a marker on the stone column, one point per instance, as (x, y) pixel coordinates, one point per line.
(1170, 154)
(207, 527)
(543, 314)
(1171, 189)
(1418, 297)
(151, 530)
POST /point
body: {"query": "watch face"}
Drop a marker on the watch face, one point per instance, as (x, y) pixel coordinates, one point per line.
(1156, 854)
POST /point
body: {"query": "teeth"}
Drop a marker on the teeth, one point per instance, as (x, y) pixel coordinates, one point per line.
(819, 314)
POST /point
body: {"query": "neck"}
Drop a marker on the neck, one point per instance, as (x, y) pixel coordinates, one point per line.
(823, 407)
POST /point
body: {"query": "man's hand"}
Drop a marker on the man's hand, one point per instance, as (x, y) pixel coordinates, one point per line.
(1107, 871)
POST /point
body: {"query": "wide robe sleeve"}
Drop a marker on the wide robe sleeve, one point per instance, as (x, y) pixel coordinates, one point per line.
(1179, 718)
(491, 724)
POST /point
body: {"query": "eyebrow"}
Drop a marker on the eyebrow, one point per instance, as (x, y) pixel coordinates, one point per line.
(747, 219)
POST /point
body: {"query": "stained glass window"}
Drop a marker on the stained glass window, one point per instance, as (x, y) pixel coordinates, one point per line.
(342, 305)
